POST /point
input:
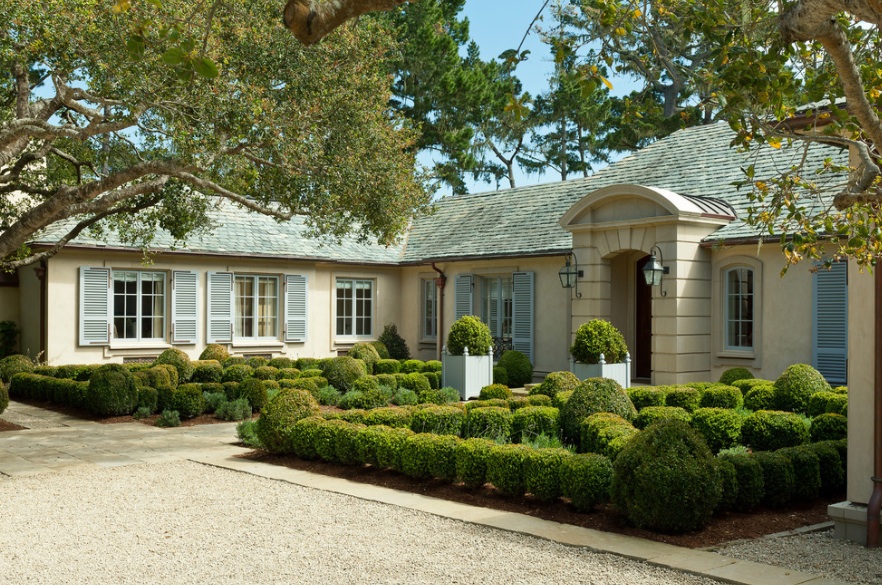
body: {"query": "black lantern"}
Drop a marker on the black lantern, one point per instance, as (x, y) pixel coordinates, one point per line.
(653, 270)
(570, 274)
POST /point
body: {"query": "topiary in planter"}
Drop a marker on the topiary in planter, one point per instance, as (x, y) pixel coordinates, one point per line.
(557, 382)
(651, 414)
(180, 360)
(596, 337)
(280, 414)
(469, 332)
(796, 385)
(112, 391)
(586, 480)
(760, 397)
(490, 423)
(720, 427)
(367, 353)
(591, 396)
(685, 397)
(665, 479)
(749, 475)
(13, 364)
(719, 396)
(187, 400)
(343, 371)
(733, 374)
(494, 391)
(531, 421)
(214, 351)
(829, 427)
(517, 367)
(542, 473)
(768, 430)
(395, 345)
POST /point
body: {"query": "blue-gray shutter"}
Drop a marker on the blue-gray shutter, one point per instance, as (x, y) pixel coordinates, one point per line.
(522, 312)
(184, 310)
(462, 292)
(95, 306)
(295, 308)
(830, 339)
(220, 307)
(493, 306)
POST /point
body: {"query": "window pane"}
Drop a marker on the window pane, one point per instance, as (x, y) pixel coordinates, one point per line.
(739, 308)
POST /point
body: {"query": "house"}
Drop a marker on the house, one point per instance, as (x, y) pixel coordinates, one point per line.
(262, 288)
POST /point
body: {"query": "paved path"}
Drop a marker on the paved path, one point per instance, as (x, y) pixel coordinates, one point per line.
(58, 442)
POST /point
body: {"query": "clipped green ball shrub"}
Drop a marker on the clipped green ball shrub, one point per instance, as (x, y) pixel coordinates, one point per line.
(300, 438)
(806, 471)
(719, 396)
(531, 421)
(538, 400)
(414, 381)
(685, 397)
(367, 353)
(824, 402)
(586, 480)
(494, 391)
(387, 367)
(768, 430)
(288, 374)
(342, 372)
(778, 478)
(471, 461)
(605, 433)
(591, 396)
(796, 385)
(557, 382)
(518, 367)
(665, 479)
(389, 416)
(188, 400)
(500, 376)
(433, 366)
(651, 414)
(412, 366)
(727, 478)
(505, 468)
(542, 473)
(237, 372)
(733, 374)
(831, 469)
(112, 391)
(257, 361)
(382, 350)
(207, 371)
(254, 391)
(213, 351)
(281, 362)
(720, 427)
(180, 360)
(279, 416)
(749, 476)
(561, 398)
(490, 423)
(426, 455)
(14, 364)
(598, 337)
(469, 332)
(441, 420)
(829, 427)
(4, 397)
(643, 396)
(266, 373)
(234, 360)
(760, 397)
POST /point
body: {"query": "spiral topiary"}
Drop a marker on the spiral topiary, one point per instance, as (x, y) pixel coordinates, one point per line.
(517, 367)
(591, 396)
(469, 332)
(596, 337)
(279, 416)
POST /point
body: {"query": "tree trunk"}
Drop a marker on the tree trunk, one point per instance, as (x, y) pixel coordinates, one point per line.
(312, 20)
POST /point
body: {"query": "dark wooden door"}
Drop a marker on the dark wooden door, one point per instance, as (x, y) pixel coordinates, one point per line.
(643, 324)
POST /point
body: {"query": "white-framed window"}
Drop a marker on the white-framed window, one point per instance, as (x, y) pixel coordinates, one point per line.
(355, 307)
(738, 306)
(497, 304)
(256, 302)
(428, 309)
(139, 305)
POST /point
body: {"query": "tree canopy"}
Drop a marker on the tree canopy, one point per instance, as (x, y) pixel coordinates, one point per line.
(143, 116)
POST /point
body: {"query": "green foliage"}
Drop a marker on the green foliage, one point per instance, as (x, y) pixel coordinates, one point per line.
(327, 396)
(148, 399)
(469, 332)
(719, 396)
(404, 397)
(517, 366)
(586, 480)
(412, 366)
(311, 373)
(389, 447)
(169, 418)
(367, 353)
(390, 417)
(207, 371)
(288, 374)
(727, 478)
(254, 391)
(505, 468)
(829, 427)
(8, 338)
(265, 373)
(13, 364)
(651, 414)
(538, 400)
(500, 376)
(59, 390)
(4, 397)
(824, 402)
(749, 475)
(556, 382)
(796, 385)
(343, 371)
(806, 471)
(494, 391)
(441, 420)
(311, 385)
(280, 414)
(433, 378)
(720, 427)
(396, 347)
(561, 398)
(214, 351)
(180, 360)
(415, 381)
(141, 412)
(665, 479)
(596, 337)
(733, 374)
(256, 361)
(388, 380)
(370, 397)
(591, 396)
(490, 423)
(769, 430)
(382, 350)
(246, 431)
(605, 433)
(187, 400)
(831, 467)
(238, 409)
(112, 391)
(424, 454)
(281, 363)
(643, 396)
(760, 397)
(778, 478)
(387, 366)
(299, 439)
(237, 372)
(542, 472)
(471, 461)
(532, 421)
(684, 397)
(212, 400)
(235, 360)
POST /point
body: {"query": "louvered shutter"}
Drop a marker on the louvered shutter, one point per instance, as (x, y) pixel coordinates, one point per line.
(830, 339)
(95, 307)
(295, 308)
(184, 306)
(493, 306)
(463, 296)
(220, 307)
(522, 312)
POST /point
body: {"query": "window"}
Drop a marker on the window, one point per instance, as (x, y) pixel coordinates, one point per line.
(429, 309)
(738, 306)
(256, 306)
(138, 305)
(355, 307)
(496, 306)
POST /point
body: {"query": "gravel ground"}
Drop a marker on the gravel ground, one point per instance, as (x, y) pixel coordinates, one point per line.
(183, 522)
(816, 553)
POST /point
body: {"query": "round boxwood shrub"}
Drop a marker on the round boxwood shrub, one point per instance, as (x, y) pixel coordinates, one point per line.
(500, 376)
(796, 385)
(494, 391)
(719, 396)
(768, 430)
(586, 479)
(531, 421)
(591, 396)
(806, 471)
(343, 371)
(279, 416)
(518, 367)
(727, 478)
(829, 427)
(4, 397)
(824, 402)
(237, 372)
(419, 453)
(256, 361)
(538, 400)
(685, 397)
(471, 461)
(311, 385)
(831, 468)
(643, 396)
(720, 427)
(233, 360)
(433, 366)
(180, 360)
(265, 373)
(311, 373)
(301, 437)
(505, 468)
(542, 473)
(733, 374)
(414, 381)
(14, 364)
(381, 348)
(367, 353)
(557, 382)
(207, 371)
(651, 414)
(112, 391)
(562, 398)
(281, 362)
(288, 374)
(665, 479)
(441, 420)
(188, 400)
(387, 367)
(598, 337)
(389, 416)
(254, 391)
(760, 397)
(605, 433)
(749, 475)
(490, 423)
(778, 478)
(412, 366)
(433, 378)
(213, 351)
(469, 332)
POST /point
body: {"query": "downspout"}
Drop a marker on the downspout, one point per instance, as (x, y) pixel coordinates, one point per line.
(875, 503)
(440, 283)
(42, 276)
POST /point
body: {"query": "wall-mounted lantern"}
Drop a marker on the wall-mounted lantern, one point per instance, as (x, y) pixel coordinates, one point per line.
(570, 274)
(653, 269)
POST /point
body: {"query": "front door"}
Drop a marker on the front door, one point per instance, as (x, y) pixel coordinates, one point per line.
(643, 324)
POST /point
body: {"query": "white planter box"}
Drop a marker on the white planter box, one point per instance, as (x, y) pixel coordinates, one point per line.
(620, 372)
(466, 373)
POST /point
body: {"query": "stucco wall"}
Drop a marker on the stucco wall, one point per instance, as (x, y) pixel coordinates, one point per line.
(63, 303)
(861, 320)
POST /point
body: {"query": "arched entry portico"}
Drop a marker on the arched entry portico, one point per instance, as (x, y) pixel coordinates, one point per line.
(614, 229)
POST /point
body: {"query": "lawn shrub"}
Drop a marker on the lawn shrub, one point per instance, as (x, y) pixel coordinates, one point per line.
(685, 397)
(50, 370)
(387, 366)
(231, 389)
(414, 381)
(605, 433)
(412, 366)
(265, 373)
(14, 364)
(542, 473)
(389, 448)
(829, 427)
(371, 397)
(233, 360)
(288, 374)
(806, 472)
(216, 352)
(665, 480)
(556, 382)
(796, 385)
(233, 410)
(825, 402)
(561, 398)
(651, 414)
(471, 461)
(533, 421)
(840, 390)
(733, 374)
(831, 468)
(778, 478)
(720, 427)
(768, 430)
(516, 402)
(643, 396)
(538, 400)
(500, 376)
(441, 420)
(517, 366)
(404, 397)
(188, 400)
(326, 438)
(727, 478)
(207, 371)
(760, 397)
(327, 396)
(591, 396)
(389, 416)
(342, 372)
(254, 391)
(237, 372)
(494, 391)
(245, 431)
(505, 468)
(485, 403)
(720, 396)
(112, 391)
(388, 380)
(180, 360)
(434, 379)
(256, 361)
(745, 384)
(433, 366)
(490, 423)
(395, 345)
(280, 414)
(585, 479)
(427, 455)
(345, 439)
(749, 475)
(367, 353)
(281, 362)
(299, 439)
(148, 399)
(311, 385)
(311, 373)
(4, 397)
(169, 418)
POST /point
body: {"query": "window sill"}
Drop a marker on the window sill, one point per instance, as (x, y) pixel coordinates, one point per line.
(139, 345)
(738, 355)
(259, 343)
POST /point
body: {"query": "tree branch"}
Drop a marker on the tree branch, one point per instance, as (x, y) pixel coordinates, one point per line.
(311, 20)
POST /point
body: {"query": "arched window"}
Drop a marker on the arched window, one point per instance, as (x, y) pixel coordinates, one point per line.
(738, 293)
